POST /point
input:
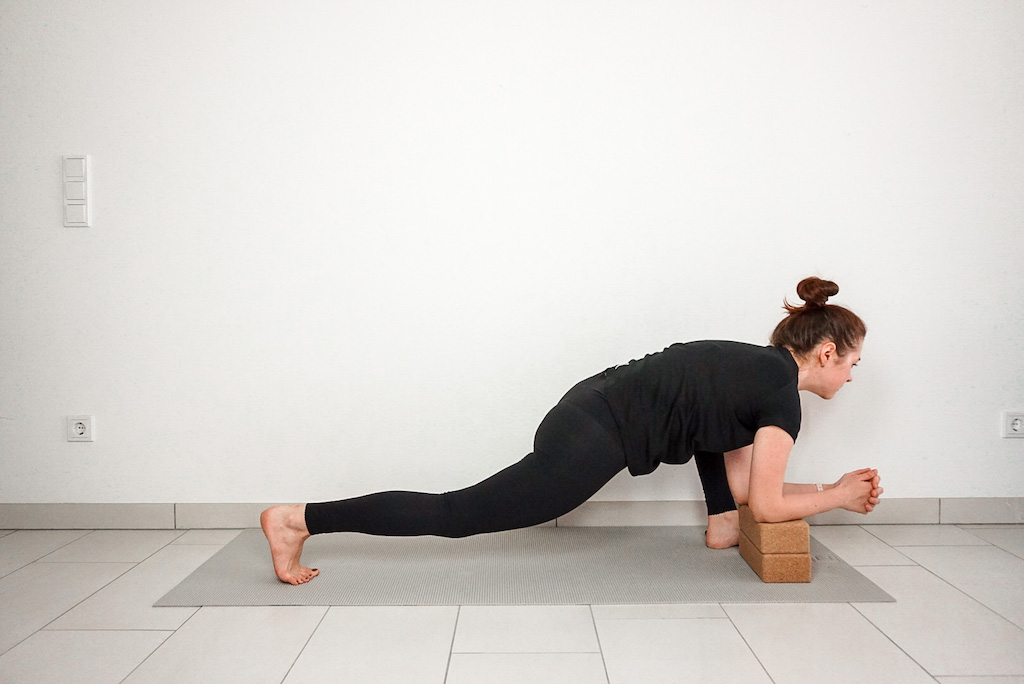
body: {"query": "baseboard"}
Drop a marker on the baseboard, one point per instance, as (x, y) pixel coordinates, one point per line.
(191, 516)
(889, 512)
(55, 516)
(78, 516)
(982, 511)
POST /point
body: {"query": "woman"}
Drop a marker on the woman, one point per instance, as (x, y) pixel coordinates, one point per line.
(734, 407)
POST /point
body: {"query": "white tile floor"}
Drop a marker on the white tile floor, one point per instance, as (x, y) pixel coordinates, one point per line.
(76, 606)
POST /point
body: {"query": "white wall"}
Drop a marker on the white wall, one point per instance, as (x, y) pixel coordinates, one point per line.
(346, 246)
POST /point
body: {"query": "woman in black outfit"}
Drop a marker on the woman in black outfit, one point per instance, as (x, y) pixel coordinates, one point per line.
(733, 407)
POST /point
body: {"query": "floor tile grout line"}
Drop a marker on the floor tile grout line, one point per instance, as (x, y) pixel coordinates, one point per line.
(961, 591)
(162, 644)
(973, 535)
(990, 528)
(950, 584)
(134, 565)
(877, 627)
(984, 542)
(159, 646)
(747, 644)
(600, 648)
(77, 539)
(44, 627)
(88, 562)
(36, 560)
(897, 547)
(1015, 555)
(944, 581)
(196, 544)
(158, 550)
(451, 645)
(327, 609)
(518, 653)
(966, 546)
(98, 590)
(892, 641)
(655, 619)
(178, 536)
(107, 629)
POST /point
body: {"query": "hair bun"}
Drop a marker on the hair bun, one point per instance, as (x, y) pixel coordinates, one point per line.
(815, 291)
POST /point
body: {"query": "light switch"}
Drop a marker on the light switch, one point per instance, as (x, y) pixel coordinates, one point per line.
(74, 167)
(76, 190)
(74, 215)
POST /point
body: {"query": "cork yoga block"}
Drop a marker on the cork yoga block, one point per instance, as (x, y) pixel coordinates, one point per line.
(784, 537)
(777, 552)
(775, 567)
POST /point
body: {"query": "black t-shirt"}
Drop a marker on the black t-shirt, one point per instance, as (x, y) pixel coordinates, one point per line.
(700, 396)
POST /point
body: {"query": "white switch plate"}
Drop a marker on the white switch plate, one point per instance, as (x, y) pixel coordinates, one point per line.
(76, 191)
(1013, 424)
(74, 166)
(81, 428)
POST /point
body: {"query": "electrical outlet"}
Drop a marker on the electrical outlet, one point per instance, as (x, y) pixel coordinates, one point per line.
(81, 428)
(1013, 424)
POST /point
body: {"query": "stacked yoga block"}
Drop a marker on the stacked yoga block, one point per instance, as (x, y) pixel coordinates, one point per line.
(778, 552)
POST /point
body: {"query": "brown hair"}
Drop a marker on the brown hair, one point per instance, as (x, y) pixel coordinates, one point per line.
(817, 321)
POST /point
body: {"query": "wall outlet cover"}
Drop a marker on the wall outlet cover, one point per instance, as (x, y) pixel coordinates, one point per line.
(1013, 424)
(81, 428)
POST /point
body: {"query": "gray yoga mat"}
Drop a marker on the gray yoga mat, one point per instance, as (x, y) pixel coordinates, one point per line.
(534, 566)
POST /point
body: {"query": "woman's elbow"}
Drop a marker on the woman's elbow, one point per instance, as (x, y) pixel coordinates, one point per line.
(766, 513)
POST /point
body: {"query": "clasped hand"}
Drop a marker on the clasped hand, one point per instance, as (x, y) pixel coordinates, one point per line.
(862, 490)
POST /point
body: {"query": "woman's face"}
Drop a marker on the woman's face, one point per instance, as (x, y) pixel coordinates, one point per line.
(837, 370)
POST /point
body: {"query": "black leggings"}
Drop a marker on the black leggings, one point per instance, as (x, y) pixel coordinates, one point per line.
(577, 450)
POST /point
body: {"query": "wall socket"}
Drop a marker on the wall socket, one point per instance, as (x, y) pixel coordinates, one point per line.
(1013, 424)
(81, 428)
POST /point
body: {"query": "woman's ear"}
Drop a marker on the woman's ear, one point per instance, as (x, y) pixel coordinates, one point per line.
(826, 352)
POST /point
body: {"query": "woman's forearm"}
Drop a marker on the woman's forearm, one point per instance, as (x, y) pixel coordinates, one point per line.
(797, 502)
(801, 500)
(772, 499)
(794, 488)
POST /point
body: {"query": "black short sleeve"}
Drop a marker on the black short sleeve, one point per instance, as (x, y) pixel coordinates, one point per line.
(782, 409)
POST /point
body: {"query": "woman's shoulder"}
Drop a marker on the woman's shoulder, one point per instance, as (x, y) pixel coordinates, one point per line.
(741, 357)
(750, 361)
(728, 348)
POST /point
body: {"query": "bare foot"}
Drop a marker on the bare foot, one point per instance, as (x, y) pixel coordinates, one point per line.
(723, 530)
(285, 527)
